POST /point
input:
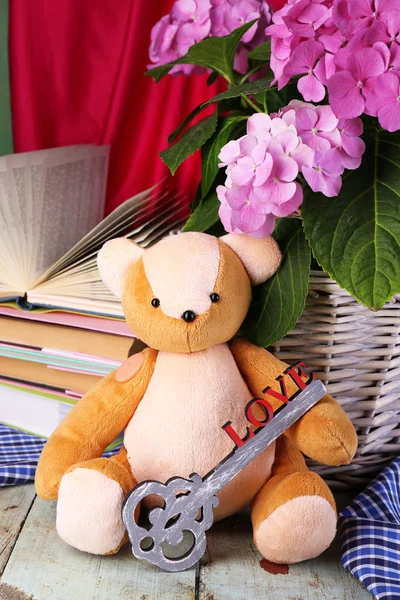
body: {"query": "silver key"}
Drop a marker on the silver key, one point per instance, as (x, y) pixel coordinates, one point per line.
(188, 503)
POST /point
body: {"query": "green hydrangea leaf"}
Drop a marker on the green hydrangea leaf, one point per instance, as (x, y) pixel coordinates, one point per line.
(355, 237)
(216, 53)
(227, 128)
(262, 52)
(245, 89)
(278, 303)
(204, 216)
(176, 133)
(190, 141)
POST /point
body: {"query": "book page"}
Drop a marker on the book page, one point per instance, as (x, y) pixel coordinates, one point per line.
(13, 225)
(122, 218)
(128, 219)
(82, 277)
(49, 200)
(72, 197)
(78, 285)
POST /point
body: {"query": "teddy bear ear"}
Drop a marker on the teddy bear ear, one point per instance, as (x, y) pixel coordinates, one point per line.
(260, 257)
(113, 261)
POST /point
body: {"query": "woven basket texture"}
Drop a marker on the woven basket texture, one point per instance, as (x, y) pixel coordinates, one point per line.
(356, 353)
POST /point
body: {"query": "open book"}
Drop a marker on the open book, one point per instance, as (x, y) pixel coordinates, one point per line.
(51, 227)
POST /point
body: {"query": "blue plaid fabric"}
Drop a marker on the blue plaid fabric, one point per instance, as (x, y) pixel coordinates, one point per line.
(370, 535)
(19, 455)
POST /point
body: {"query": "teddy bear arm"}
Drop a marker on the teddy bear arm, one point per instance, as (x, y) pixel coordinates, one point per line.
(324, 433)
(91, 425)
(259, 368)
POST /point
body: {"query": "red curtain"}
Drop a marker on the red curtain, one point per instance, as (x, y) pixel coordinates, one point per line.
(76, 70)
(276, 4)
(76, 73)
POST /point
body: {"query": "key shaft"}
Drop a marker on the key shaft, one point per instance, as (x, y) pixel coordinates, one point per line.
(283, 418)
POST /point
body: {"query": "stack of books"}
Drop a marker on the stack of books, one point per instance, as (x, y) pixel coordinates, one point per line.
(61, 330)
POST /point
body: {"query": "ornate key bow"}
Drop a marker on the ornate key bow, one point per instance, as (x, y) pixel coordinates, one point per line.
(188, 503)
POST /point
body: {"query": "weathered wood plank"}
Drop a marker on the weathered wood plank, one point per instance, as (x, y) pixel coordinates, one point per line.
(231, 571)
(15, 503)
(11, 593)
(43, 566)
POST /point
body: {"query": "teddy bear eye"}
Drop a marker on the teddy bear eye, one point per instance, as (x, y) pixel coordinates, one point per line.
(214, 297)
(155, 302)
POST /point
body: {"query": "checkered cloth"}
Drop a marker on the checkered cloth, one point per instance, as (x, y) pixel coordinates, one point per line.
(370, 535)
(19, 455)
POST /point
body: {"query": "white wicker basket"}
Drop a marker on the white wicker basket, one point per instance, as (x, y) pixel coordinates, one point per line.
(356, 353)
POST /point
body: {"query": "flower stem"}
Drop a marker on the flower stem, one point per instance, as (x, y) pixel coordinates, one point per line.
(247, 75)
(252, 104)
(265, 104)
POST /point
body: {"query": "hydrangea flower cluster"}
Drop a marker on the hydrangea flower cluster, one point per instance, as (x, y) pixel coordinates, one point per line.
(350, 46)
(263, 166)
(191, 21)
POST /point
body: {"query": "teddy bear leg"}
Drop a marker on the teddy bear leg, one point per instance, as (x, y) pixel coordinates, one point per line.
(90, 501)
(294, 514)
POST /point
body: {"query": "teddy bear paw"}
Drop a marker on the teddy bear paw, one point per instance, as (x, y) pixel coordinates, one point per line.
(298, 530)
(89, 511)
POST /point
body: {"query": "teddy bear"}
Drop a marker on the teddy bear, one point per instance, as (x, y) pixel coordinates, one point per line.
(186, 297)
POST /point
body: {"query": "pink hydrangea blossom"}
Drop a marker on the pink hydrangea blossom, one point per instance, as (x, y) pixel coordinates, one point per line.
(261, 176)
(191, 21)
(279, 187)
(286, 145)
(230, 153)
(348, 89)
(305, 18)
(227, 16)
(317, 127)
(255, 167)
(353, 15)
(351, 147)
(321, 131)
(248, 211)
(245, 218)
(188, 23)
(304, 60)
(262, 167)
(343, 45)
(324, 175)
(295, 47)
(290, 206)
(281, 40)
(384, 101)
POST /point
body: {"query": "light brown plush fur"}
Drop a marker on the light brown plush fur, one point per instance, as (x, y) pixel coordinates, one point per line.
(288, 462)
(91, 426)
(325, 433)
(174, 406)
(216, 325)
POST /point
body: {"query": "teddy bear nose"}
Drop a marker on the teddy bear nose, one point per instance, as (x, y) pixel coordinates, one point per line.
(188, 316)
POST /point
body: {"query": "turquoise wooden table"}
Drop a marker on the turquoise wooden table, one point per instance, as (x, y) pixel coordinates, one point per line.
(35, 564)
